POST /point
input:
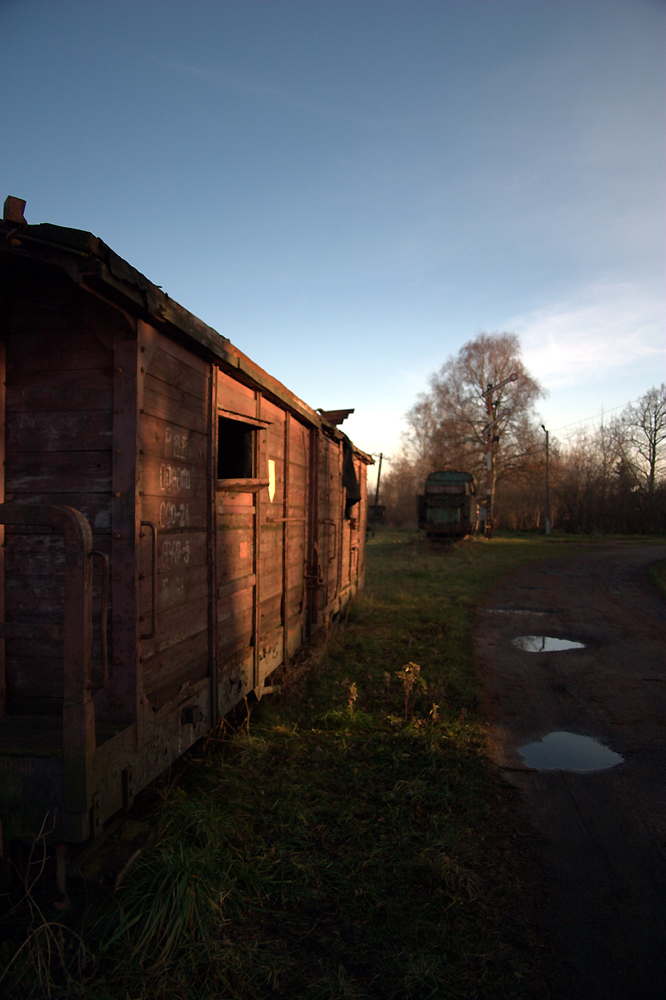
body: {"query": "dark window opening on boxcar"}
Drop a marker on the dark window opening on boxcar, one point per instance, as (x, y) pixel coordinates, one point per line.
(235, 449)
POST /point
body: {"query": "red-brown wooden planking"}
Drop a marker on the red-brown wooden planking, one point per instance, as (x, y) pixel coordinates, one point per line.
(174, 487)
(163, 675)
(174, 626)
(235, 618)
(167, 366)
(52, 340)
(168, 436)
(72, 390)
(29, 555)
(59, 431)
(190, 584)
(235, 538)
(73, 472)
(175, 512)
(95, 507)
(234, 397)
(176, 479)
(170, 404)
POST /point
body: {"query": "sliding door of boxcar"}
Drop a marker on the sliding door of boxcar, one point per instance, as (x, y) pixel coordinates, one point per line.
(263, 456)
(282, 543)
(173, 482)
(271, 548)
(296, 513)
(240, 446)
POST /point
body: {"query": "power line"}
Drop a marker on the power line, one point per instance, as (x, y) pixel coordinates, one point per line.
(594, 416)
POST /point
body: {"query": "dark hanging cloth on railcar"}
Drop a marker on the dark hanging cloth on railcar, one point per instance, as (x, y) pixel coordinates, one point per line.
(349, 480)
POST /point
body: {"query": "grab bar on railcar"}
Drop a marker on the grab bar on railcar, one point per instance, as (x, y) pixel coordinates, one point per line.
(334, 525)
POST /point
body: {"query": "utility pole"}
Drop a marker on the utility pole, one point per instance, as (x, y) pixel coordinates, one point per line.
(374, 509)
(493, 420)
(547, 493)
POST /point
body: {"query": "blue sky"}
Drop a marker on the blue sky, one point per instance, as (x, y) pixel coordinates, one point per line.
(350, 191)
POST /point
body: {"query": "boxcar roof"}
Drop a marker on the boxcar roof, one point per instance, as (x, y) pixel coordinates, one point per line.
(450, 477)
(91, 263)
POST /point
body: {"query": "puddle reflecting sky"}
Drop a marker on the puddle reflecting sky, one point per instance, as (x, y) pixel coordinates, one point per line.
(569, 752)
(544, 643)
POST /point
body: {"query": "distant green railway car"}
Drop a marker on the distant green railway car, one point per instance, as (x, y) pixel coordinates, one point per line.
(448, 508)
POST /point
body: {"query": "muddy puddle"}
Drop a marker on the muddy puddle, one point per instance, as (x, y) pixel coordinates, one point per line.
(568, 752)
(545, 643)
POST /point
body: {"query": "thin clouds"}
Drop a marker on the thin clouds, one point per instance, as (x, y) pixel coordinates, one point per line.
(266, 93)
(605, 328)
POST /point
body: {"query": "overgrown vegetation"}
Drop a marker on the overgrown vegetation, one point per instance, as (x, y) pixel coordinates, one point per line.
(347, 839)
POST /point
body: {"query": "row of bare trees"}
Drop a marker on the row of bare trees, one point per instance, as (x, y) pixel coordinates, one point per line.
(611, 479)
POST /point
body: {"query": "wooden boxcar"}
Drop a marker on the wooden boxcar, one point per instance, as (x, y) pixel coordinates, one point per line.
(175, 524)
(447, 509)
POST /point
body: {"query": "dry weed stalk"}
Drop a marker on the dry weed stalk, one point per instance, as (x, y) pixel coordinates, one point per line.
(410, 675)
(49, 947)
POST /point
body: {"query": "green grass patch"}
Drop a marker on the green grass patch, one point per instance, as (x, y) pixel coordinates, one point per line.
(347, 839)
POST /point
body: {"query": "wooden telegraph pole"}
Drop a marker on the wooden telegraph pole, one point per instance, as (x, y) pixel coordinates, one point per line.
(547, 492)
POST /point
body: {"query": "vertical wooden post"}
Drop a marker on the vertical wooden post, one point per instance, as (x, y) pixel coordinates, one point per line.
(259, 472)
(211, 524)
(3, 676)
(312, 557)
(125, 687)
(78, 715)
(285, 540)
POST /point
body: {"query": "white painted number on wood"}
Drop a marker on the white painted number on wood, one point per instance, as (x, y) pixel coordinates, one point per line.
(174, 553)
(174, 478)
(176, 442)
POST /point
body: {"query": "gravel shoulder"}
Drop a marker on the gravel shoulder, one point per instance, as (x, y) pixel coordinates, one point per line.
(602, 834)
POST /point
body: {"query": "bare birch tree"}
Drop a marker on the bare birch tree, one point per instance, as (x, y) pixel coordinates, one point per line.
(446, 426)
(645, 426)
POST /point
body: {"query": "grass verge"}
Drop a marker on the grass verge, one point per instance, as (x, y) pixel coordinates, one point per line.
(347, 839)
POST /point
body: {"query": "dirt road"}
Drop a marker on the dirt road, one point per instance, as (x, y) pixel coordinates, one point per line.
(603, 833)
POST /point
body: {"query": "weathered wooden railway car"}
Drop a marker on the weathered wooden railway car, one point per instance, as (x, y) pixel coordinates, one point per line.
(448, 509)
(175, 521)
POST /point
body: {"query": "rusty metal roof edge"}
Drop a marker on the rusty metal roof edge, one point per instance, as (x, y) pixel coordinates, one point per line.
(125, 280)
(116, 273)
(166, 310)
